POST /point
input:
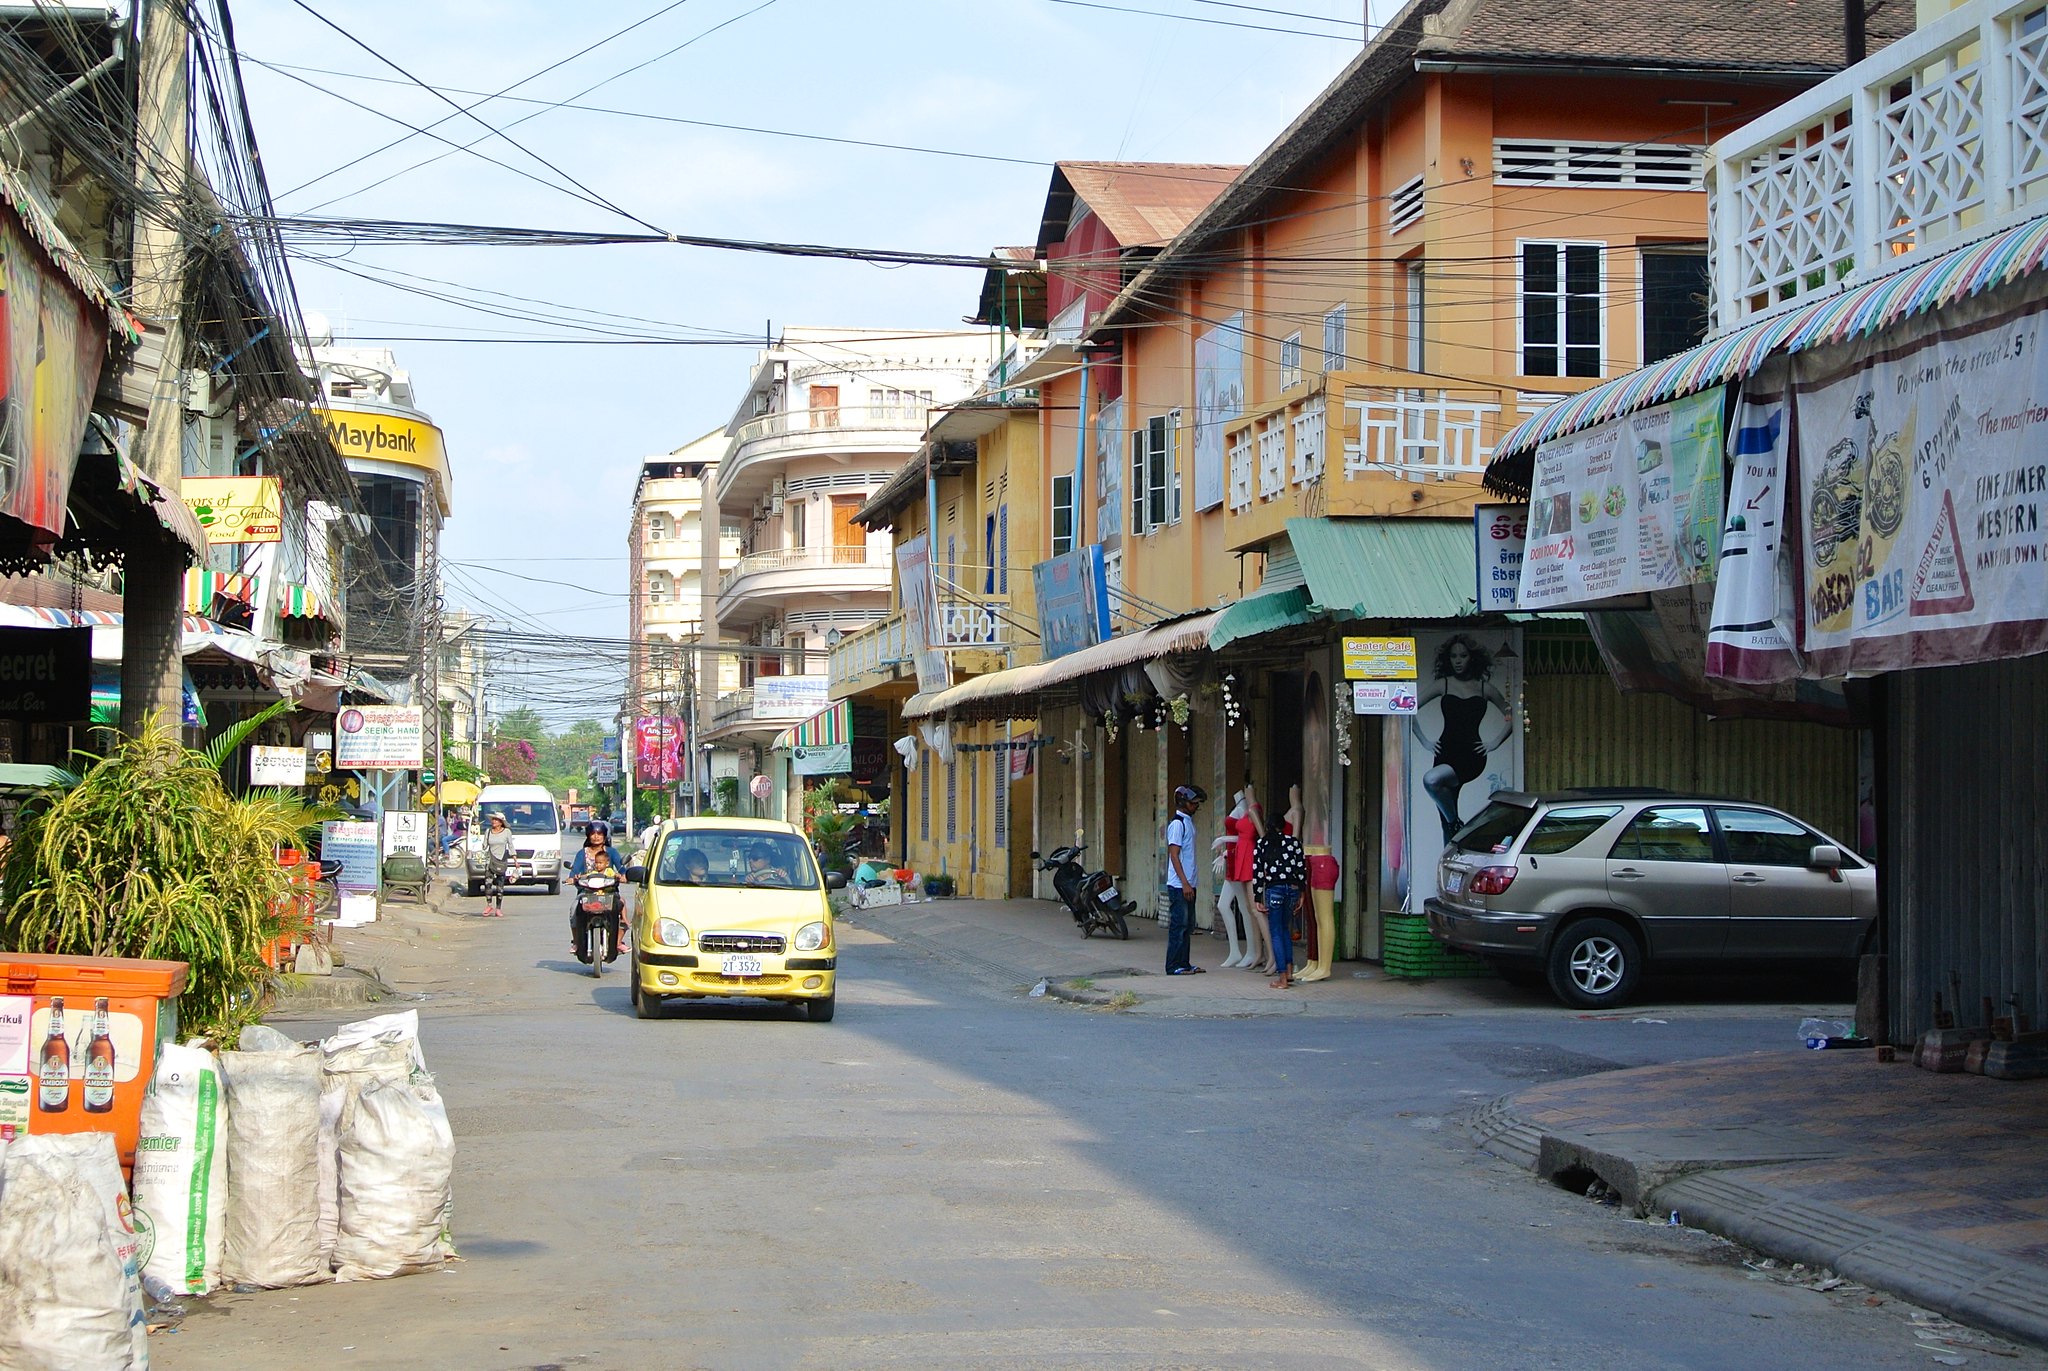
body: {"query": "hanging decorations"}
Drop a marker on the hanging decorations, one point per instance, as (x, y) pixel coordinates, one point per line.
(1180, 711)
(1342, 716)
(1109, 727)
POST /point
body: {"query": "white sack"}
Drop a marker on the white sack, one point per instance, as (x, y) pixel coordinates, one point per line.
(181, 1172)
(347, 1073)
(397, 1166)
(261, 1037)
(403, 1027)
(273, 1219)
(70, 1292)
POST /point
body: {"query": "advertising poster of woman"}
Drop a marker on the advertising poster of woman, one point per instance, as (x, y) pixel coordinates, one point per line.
(1464, 740)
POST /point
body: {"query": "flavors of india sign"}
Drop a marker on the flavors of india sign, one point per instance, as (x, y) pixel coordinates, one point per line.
(236, 509)
(1632, 505)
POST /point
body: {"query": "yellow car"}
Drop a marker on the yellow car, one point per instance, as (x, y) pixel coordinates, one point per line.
(732, 908)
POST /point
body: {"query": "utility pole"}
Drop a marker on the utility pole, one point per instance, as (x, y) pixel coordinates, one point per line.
(153, 585)
(1855, 39)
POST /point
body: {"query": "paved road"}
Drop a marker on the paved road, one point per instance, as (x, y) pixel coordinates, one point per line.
(952, 1175)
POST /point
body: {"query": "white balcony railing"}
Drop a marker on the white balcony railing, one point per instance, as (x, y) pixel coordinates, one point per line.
(1940, 138)
(732, 707)
(877, 648)
(802, 559)
(974, 623)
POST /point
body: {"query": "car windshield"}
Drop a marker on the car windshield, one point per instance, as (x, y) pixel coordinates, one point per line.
(735, 856)
(1494, 830)
(521, 816)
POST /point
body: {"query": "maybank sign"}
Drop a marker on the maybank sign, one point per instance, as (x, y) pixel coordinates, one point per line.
(379, 436)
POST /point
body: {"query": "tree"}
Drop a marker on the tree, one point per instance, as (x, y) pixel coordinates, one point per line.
(511, 761)
(523, 722)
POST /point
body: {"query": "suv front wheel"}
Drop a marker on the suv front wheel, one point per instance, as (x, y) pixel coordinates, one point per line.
(1594, 964)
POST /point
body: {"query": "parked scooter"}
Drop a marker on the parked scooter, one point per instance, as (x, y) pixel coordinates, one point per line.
(600, 909)
(1092, 897)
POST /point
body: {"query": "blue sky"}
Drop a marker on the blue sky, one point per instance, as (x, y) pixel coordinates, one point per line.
(546, 440)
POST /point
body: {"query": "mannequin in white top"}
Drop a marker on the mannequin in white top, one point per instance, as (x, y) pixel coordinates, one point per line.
(1234, 902)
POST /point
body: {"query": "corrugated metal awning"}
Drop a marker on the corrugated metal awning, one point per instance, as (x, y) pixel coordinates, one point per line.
(1187, 634)
(1388, 568)
(1265, 611)
(1950, 276)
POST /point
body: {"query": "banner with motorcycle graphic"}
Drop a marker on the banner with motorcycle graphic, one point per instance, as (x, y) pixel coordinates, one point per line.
(1919, 487)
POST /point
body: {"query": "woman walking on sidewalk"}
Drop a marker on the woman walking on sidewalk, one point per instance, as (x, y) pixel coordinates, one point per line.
(1279, 872)
(497, 858)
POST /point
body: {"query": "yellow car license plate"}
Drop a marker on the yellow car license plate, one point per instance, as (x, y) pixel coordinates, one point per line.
(741, 966)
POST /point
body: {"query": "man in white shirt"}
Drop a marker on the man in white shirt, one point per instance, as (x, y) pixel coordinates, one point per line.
(1180, 879)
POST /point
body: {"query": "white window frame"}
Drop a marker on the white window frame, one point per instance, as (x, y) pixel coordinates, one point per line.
(1113, 582)
(1155, 473)
(1562, 299)
(1336, 336)
(1062, 511)
(1290, 361)
(1416, 311)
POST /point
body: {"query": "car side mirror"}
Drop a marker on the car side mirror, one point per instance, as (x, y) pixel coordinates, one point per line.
(1825, 857)
(637, 874)
(835, 880)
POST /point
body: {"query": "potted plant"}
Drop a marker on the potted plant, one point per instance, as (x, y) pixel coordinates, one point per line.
(829, 831)
(939, 886)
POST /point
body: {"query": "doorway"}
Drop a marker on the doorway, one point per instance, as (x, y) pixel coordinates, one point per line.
(849, 540)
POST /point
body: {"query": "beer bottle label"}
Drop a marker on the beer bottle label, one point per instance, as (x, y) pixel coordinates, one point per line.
(99, 1084)
(55, 1094)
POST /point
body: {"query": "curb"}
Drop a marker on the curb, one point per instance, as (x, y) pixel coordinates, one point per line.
(1977, 1287)
(346, 988)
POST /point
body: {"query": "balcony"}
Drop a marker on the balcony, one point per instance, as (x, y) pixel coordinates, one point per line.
(1940, 138)
(802, 432)
(878, 653)
(771, 703)
(761, 579)
(1371, 443)
(976, 631)
(735, 706)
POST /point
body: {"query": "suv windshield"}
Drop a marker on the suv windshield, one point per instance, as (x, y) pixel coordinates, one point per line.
(521, 816)
(1494, 830)
(735, 856)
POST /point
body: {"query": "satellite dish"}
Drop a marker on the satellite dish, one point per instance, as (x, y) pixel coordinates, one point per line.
(319, 332)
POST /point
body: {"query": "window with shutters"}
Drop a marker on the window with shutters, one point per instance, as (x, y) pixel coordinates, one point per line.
(1062, 515)
(953, 801)
(924, 805)
(1155, 474)
(988, 555)
(1290, 361)
(1334, 341)
(1003, 549)
(1562, 298)
(1002, 792)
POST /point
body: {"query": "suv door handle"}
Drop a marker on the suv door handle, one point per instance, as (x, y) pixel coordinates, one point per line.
(1627, 873)
(1749, 878)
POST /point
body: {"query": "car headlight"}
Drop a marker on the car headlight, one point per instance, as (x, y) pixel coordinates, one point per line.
(810, 937)
(671, 933)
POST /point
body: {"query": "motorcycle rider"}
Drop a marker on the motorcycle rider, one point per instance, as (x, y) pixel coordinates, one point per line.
(596, 854)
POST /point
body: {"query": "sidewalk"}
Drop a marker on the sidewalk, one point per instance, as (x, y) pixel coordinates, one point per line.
(1932, 1187)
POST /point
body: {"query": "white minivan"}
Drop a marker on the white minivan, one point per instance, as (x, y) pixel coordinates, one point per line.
(536, 823)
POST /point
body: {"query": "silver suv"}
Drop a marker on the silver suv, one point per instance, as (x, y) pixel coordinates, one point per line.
(1588, 887)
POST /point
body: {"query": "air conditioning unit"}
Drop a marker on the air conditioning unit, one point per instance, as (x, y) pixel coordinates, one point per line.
(777, 486)
(775, 504)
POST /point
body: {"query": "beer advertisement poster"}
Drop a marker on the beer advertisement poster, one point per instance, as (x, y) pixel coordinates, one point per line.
(123, 1028)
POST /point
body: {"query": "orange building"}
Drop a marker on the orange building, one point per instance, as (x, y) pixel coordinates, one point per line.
(1274, 429)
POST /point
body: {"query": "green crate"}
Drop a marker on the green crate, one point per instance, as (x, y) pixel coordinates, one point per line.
(1409, 952)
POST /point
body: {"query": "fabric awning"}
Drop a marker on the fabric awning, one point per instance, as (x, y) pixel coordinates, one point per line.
(1388, 568)
(169, 510)
(1954, 275)
(1265, 611)
(1187, 634)
(829, 727)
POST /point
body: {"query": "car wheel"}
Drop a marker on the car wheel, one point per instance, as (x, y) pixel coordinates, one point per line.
(1595, 963)
(645, 1006)
(554, 887)
(821, 1009)
(476, 888)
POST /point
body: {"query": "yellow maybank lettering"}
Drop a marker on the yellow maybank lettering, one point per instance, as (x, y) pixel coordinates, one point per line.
(372, 436)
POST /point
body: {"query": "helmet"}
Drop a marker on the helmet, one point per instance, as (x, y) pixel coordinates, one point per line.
(599, 829)
(1190, 794)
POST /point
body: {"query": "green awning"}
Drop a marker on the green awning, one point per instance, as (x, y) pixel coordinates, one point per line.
(20, 776)
(1388, 568)
(1265, 611)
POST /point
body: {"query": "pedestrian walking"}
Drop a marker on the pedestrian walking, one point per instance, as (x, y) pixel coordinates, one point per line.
(1180, 879)
(497, 858)
(1279, 874)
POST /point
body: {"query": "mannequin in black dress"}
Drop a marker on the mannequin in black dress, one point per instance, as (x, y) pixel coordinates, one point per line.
(1463, 687)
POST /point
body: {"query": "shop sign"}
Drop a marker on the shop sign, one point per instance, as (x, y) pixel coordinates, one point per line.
(783, 697)
(1920, 497)
(1628, 506)
(379, 737)
(1379, 659)
(370, 436)
(920, 616)
(15, 1014)
(1072, 598)
(1463, 743)
(45, 674)
(870, 755)
(236, 509)
(604, 769)
(1502, 532)
(829, 759)
(1383, 697)
(353, 843)
(277, 766)
(51, 347)
(657, 745)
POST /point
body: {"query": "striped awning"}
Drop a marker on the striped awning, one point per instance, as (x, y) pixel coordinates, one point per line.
(829, 726)
(1944, 279)
(201, 585)
(295, 601)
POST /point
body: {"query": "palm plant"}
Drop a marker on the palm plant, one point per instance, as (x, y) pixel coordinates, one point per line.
(830, 831)
(150, 856)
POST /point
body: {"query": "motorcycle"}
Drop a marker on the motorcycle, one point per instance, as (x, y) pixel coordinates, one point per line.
(601, 909)
(1092, 897)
